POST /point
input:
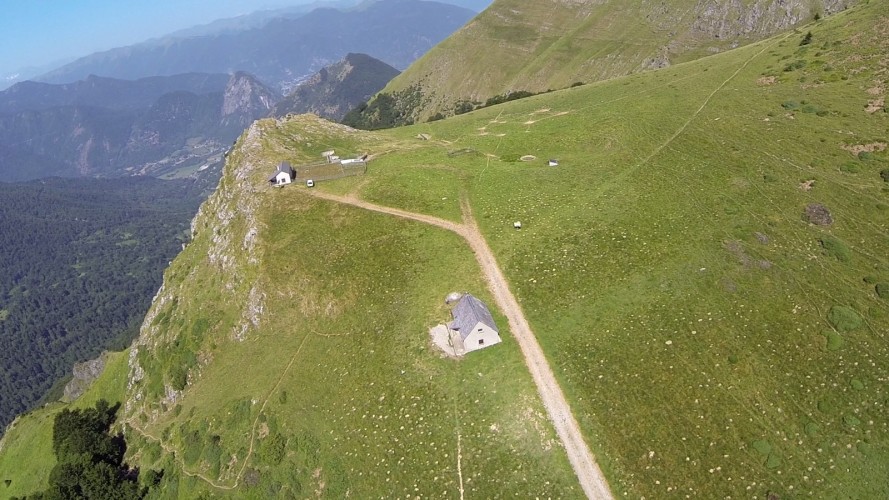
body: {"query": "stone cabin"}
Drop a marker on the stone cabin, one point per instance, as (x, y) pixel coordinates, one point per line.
(474, 324)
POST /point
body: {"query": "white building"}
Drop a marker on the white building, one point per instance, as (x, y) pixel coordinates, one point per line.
(284, 175)
(474, 324)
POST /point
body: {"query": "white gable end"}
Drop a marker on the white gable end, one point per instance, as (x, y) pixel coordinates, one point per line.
(282, 178)
(480, 337)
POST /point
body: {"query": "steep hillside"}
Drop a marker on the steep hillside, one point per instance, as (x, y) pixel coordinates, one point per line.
(516, 45)
(284, 50)
(338, 88)
(705, 270)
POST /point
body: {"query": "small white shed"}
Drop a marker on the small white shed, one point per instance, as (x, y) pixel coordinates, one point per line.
(473, 321)
(283, 175)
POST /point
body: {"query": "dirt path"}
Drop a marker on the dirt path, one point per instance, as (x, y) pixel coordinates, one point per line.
(588, 473)
(176, 457)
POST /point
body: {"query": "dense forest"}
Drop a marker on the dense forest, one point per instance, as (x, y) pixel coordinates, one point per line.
(80, 261)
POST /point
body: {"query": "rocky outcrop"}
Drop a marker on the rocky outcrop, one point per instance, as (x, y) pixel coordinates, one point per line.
(84, 374)
(737, 19)
(246, 95)
(225, 233)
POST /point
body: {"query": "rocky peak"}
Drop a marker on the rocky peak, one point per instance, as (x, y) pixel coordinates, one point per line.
(246, 95)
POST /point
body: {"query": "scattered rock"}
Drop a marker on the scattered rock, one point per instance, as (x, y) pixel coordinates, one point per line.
(767, 80)
(808, 185)
(875, 105)
(818, 214)
(762, 238)
(869, 148)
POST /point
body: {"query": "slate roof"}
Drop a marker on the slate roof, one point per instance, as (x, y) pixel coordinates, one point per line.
(284, 166)
(469, 312)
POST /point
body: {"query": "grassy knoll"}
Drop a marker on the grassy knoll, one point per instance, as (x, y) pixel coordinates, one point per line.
(26, 456)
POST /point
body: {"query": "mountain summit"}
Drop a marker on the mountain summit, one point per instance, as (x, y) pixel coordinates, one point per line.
(338, 88)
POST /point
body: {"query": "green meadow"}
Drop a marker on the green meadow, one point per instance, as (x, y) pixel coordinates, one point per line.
(713, 340)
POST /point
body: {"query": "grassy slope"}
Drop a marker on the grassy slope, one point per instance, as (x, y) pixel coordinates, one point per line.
(27, 457)
(697, 355)
(537, 46)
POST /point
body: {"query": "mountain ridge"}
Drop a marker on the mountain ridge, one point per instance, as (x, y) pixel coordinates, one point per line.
(83, 137)
(292, 48)
(555, 44)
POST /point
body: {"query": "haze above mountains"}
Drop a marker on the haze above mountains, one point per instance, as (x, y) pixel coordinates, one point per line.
(229, 27)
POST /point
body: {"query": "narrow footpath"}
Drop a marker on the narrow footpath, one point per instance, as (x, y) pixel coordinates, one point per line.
(585, 467)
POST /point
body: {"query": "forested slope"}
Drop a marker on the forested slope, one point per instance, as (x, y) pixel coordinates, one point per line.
(80, 261)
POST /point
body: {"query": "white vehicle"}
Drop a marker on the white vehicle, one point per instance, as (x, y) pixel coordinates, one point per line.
(310, 183)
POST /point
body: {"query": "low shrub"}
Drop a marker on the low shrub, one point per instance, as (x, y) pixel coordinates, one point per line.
(850, 167)
(835, 341)
(798, 64)
(843, 318)
(836, 248)
(762, 446)
(810, 108)
(882, 290)
(806, 39)
(885, 174)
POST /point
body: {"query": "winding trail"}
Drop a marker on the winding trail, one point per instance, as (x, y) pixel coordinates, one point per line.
(585, 467)
(169, 449)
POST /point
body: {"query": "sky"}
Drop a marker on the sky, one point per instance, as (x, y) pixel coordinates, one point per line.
(41, 32)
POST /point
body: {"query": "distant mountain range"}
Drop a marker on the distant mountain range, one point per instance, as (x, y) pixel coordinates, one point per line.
(78, 124)
(338, 88)
(284, 50)
(156, 126)
(105, 92)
